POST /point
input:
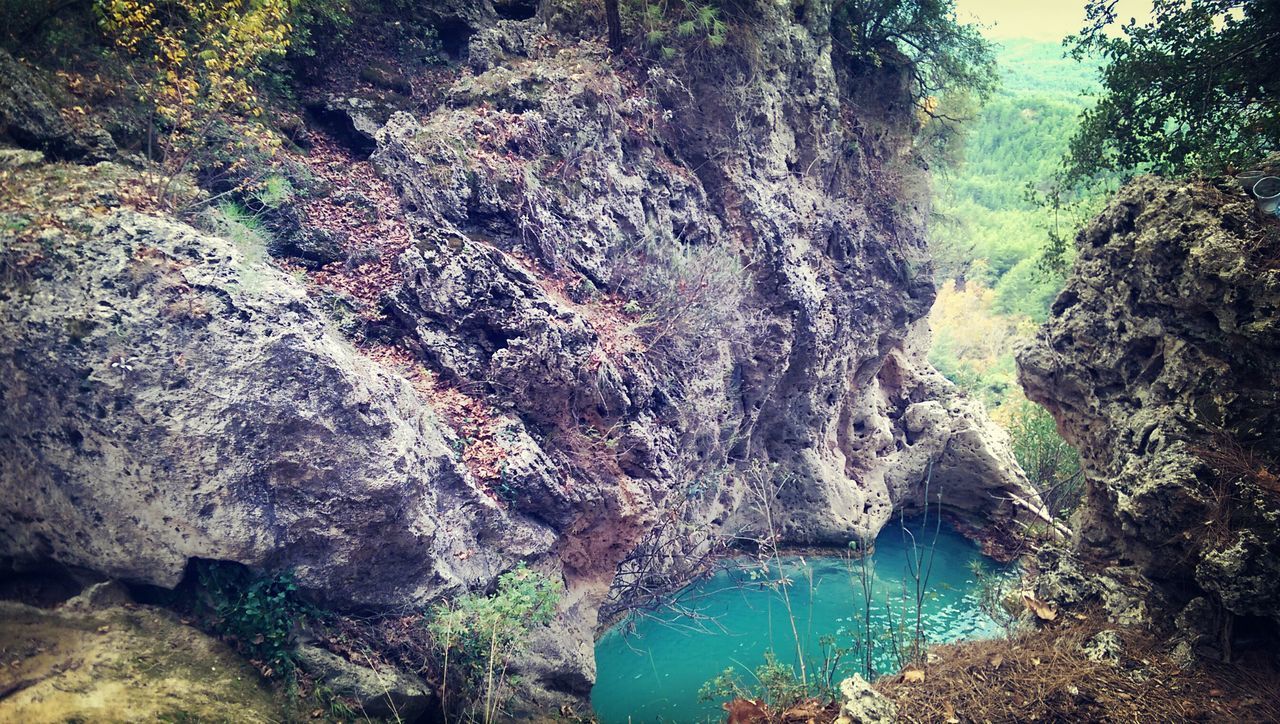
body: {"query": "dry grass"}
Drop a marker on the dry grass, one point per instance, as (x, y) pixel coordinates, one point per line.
(1045, 676)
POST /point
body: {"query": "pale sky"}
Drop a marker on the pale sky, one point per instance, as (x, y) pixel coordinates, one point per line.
(1041, 20)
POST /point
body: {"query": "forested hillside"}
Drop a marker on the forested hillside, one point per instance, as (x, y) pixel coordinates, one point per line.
(989, 233)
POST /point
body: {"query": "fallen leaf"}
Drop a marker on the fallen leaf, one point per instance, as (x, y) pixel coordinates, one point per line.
(949, 712)
(996, 661)
(1035, 662)
(1042, 610)
(913, 676)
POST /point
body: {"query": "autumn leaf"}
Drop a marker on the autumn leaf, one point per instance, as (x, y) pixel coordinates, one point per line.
(1042, 610)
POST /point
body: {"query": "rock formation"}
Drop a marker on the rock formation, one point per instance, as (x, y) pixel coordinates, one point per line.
(1161, 363)
(636, 284)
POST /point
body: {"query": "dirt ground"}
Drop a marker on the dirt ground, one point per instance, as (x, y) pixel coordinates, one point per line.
(122, 664)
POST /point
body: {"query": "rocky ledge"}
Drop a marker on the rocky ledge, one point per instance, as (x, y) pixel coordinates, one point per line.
(1161, 363)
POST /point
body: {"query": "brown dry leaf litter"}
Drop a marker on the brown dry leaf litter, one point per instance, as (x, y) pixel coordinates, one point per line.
(378, 232)
(1045, 676)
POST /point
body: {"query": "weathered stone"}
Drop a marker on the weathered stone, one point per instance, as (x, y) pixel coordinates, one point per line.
(316, 247)
(1161, 363)
(12, 159)
(118, 665)
(97, 596)
(861, 704)
(380, 692)
(167, 397)
(1104, 646)
(29, 117)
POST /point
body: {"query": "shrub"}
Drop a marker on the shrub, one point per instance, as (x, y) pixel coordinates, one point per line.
(319, 27)
(1051, 464)
(681, 293)
(194, 65)
(670, 27)
(776, 685)
(258, 613)
(479, 635)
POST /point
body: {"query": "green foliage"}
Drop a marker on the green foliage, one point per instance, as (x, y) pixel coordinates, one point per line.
(53, 29)
(671, 27)
(946, 55)
(319, 28)
(1052, 465)
(258, 613)
(479, 635)
(776, 684)
(274, 192)
(1197, 88)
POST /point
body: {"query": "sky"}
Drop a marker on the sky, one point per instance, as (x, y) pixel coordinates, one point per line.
(1039, 19)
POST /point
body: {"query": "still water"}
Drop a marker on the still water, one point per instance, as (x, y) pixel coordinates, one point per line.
(652, 671)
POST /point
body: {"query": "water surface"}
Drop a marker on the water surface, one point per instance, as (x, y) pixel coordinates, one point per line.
(651, 669)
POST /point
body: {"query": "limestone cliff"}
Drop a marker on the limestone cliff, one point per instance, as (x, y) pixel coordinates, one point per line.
(621, 285)
(1161, 364)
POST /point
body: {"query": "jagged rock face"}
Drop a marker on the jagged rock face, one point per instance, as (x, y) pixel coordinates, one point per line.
(805, 267)
(167, 398)
(641, 284)
(1160, 363)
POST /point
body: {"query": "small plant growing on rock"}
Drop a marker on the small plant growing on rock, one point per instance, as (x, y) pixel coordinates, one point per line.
(479, 635)
(777, 685)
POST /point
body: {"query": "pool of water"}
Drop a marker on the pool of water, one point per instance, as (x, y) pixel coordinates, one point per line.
(651, 668)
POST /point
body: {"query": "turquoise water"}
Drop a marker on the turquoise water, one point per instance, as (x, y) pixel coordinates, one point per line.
(650, 669)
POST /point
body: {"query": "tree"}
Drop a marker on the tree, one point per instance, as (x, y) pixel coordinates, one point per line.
(195, 64)
(614, 21)
(947, 57)
(1197, 88)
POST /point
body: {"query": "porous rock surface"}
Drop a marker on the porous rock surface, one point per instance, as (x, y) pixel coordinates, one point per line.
(1161, 363)
(649, 283)
(168, 398)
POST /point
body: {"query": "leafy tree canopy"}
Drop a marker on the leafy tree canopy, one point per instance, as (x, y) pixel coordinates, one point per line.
(1197, 88)
(948, 57)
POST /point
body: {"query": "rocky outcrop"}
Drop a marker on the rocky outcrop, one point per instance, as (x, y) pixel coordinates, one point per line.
(631, 288)
(169, 395)
(861, 704)
(769, 251)
(29, 117)
(1160, 363)
(112, 664)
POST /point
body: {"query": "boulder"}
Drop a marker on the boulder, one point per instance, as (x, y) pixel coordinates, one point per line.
(861, 704)
(123, 665)
(1161, 364)
(168, 397)
(380, 692)
(30, 117)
